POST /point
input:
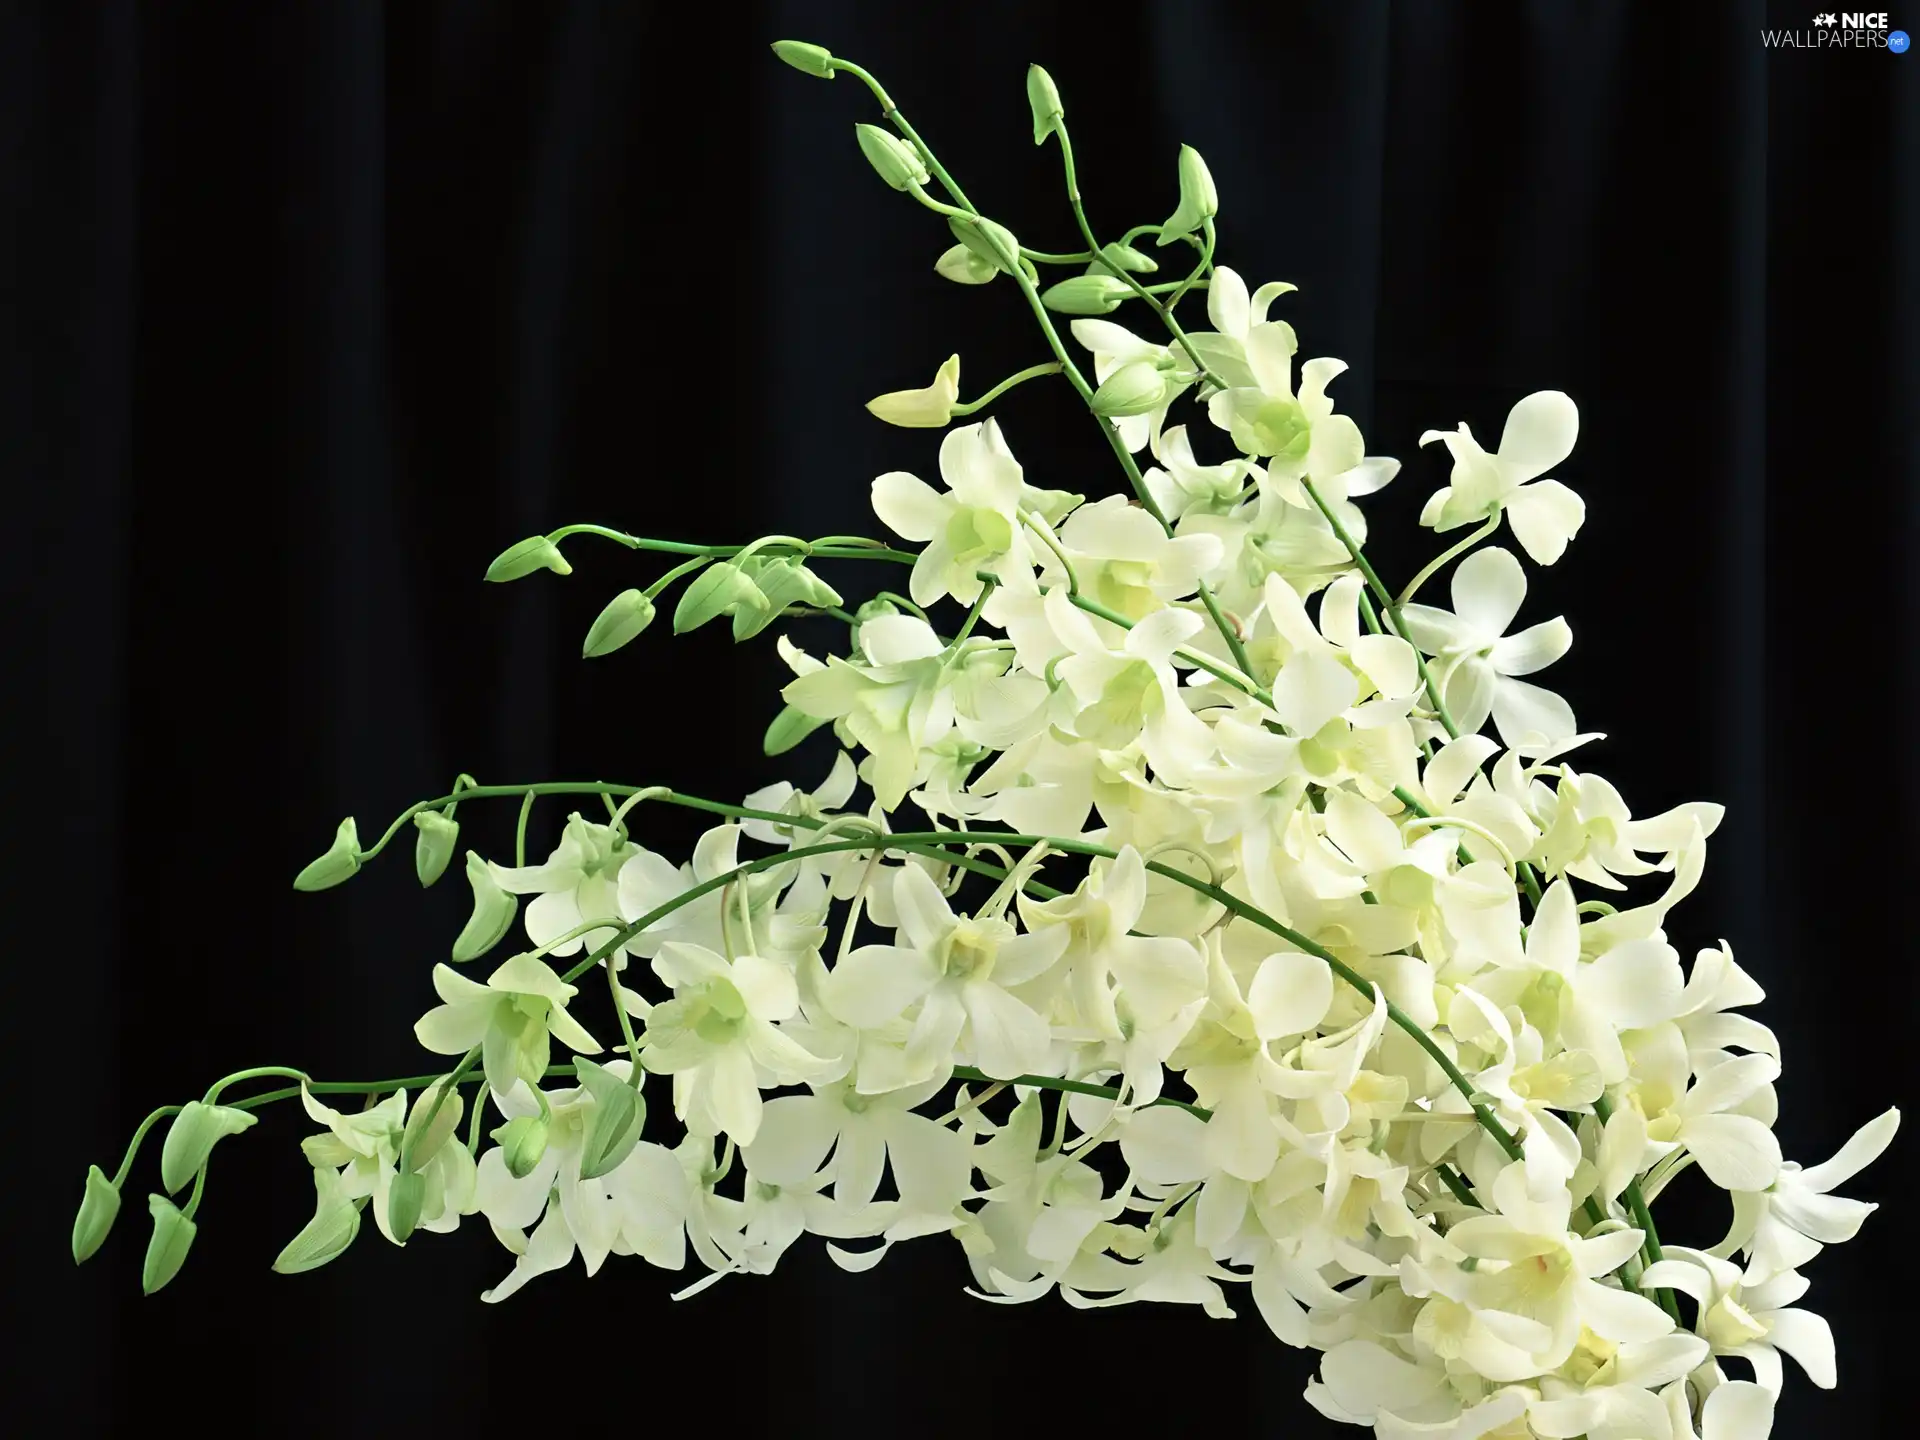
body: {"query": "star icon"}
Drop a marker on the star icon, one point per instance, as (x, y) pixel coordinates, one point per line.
(1825, 19)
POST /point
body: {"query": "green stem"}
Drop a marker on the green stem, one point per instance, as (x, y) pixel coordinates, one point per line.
(1120, 273)
(140, 1135)
(685, 567)
(1044, 257)
(1032, 372)
(833, 547)
(1642, 1217)
(1460, 547)
(520, 829)
(259, 1071)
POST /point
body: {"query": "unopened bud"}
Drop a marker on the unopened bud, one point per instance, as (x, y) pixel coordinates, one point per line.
(1198, 200)
(1085, 295)
(522, 1143)
(421, 1140)
(895, 161)
(98, 1207)
(493, 912)
(167, 1249)
(1043, 98)
(807, 59)
(720, 589)
(626, 615)
(1135, 388)
(341, 862)
(191, 1138)
(619, 1112)
(536, 552)
(990, 242)
(963, 267)
(1115, 257)
(406, 1193)
(434, 846)
(336, 1220)
(788, 729)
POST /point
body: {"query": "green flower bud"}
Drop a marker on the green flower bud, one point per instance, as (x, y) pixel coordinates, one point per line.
(341, 862)
(788, 729)
(336, 1220)
(1134, 389)
(963, 267)
(434, 846)
(522, 1143)
(98, 1207)
(405, 1195)
(784, 580)
(1085, 295)
(808, 59)
(420, 1142)
(167, 1250)
(892, 158)
(619, 1112)
(536, 552)
(718, 590)
(873, 609)
(626, 615)
(493, 912)
(990, 242)
(1115, 257)
(1198, 200)
(191, 1138)
(1043, 98)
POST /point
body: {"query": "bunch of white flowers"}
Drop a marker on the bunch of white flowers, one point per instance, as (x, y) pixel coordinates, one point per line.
(1189, 933)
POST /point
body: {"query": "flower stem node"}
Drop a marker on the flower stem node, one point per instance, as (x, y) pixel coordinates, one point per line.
(1043, 98)
(493, 912)
(167, 1249)
(989, 242)
(814, 60)
(1199, 202)
(98, 1209)
(626, 615)
(891, 157)
(522, 1142)
(619, 1112)
(340, 863)
(536, 552)
(434, 846)
(1136, 388)
(192, 1136)
(1086, 295)
(405, 1196)
(963, 267)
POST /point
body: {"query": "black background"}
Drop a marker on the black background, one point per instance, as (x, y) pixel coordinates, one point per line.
(311, 309)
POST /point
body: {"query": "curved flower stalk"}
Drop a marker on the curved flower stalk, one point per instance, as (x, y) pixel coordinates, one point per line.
(1157, 830)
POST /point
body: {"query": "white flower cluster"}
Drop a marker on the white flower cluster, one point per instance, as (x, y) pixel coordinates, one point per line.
(1221, 947)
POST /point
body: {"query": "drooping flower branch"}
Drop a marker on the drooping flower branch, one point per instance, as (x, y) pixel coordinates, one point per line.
(1185, 820)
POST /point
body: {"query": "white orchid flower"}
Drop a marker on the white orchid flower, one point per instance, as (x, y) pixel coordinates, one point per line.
(971, 526)
(719, 1032)
(1545, 514)
(510, 1018)
(1480, 664)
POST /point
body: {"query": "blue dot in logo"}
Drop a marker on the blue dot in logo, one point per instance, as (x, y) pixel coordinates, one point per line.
(1897, 42)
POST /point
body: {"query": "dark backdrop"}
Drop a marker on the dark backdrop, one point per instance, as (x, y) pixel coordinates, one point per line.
(310, 309)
